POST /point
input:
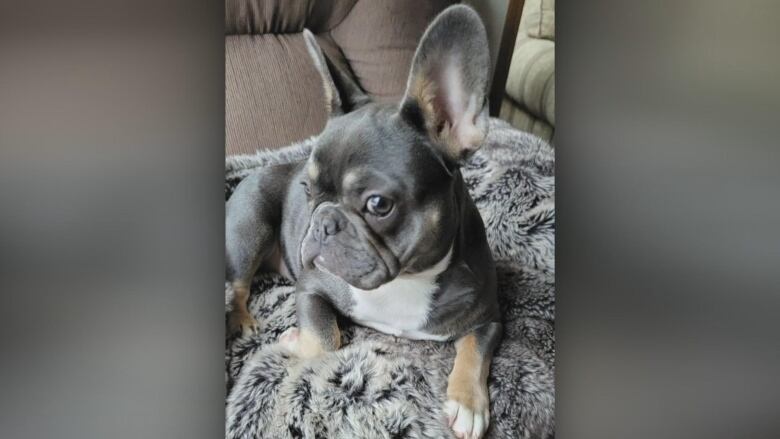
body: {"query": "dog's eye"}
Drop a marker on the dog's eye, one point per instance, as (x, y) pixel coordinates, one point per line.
(379, 205)
(306, 188)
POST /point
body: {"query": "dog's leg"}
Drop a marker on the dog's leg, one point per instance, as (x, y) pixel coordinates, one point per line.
(468, 402)
(244, 256)
(240, 319)
(250, 239)
(318, 332)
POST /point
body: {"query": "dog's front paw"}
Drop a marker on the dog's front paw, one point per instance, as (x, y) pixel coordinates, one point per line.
(467, 422)
(242, 323)
(301, 343)
(289, 339)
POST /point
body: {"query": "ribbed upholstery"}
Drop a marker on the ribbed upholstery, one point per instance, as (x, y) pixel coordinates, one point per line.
(273, 95)
(523, 120)
(529, 99)
(539, 22)
(251, 17)
(379, 38)
(531, 81)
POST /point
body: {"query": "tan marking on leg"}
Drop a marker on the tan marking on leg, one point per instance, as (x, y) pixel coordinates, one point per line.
(467, 382)
(240, 320)
(468, 403)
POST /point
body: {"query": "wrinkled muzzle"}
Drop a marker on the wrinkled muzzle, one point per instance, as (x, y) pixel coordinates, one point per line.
(341, 243)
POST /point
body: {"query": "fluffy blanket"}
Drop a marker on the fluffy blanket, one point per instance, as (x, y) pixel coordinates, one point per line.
(380, 386)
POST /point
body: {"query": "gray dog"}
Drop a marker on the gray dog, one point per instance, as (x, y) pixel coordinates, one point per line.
(378, 225)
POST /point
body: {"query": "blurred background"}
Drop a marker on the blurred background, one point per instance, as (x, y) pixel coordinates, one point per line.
(112, 143)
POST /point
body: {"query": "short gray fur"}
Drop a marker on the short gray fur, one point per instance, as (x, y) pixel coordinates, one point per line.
(395, 151)
(379, 386)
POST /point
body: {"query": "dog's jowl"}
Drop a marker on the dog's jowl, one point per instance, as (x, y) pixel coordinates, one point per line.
(377, 225)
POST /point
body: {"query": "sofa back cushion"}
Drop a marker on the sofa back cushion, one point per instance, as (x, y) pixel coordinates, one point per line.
(273, 94)
(378, 39)
(539, 19)
(284, 16)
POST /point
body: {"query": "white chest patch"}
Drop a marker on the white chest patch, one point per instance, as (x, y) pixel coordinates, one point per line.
(400, 307)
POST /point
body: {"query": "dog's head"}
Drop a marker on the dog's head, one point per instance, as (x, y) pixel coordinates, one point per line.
(382, 180)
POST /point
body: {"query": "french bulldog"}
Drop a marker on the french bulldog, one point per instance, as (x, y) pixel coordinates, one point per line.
(377, 224)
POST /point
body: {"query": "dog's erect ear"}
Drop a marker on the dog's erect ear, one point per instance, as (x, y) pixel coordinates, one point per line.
(446, 94)
(332, 98)
(342, 93)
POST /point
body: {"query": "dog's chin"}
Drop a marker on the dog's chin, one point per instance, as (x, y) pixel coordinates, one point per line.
(371, 281)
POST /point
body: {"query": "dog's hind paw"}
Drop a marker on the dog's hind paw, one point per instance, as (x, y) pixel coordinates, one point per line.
(243, 324)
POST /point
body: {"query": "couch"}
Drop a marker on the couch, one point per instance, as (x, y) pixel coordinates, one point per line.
(273, 94)
(529, 97)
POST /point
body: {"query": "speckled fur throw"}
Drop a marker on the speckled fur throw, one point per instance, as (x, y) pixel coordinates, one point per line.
(380, 386)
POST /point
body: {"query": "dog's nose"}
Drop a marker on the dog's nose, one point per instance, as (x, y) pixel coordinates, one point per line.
(327, 221)
(330, 226)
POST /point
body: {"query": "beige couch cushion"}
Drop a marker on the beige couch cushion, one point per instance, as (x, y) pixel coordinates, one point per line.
(539, 19)
(529, 98)
(522, 120)
(531, 80)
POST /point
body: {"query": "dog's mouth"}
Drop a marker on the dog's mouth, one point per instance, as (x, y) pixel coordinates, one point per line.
(364, 268)
(369, 278)
(355, 255)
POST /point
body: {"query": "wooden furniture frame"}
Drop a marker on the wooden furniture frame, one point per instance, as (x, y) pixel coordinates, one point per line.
(505, 49)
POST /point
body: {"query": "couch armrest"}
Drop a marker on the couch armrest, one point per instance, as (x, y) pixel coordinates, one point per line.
(531, 81)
